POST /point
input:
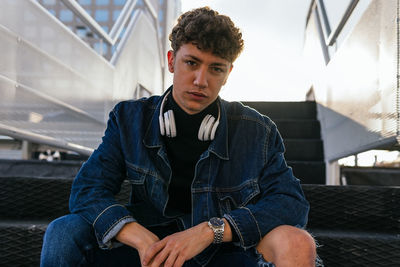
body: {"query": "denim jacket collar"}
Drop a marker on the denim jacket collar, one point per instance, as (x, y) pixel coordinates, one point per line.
(219, 146)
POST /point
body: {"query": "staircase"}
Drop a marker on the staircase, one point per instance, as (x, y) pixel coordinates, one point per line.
(300, 129)
(354, 225)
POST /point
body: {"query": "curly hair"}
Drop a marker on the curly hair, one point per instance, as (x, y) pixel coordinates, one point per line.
(209, 31)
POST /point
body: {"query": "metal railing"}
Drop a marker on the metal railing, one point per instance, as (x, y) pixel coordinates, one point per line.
(327, 35)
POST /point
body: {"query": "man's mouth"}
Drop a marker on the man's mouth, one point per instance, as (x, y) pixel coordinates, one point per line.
(197, 94)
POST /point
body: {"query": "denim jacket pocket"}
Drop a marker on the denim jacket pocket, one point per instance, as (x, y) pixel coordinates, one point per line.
(233, 197)
(137, 177)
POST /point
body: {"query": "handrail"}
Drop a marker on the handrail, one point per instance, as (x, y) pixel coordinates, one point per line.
(151, 9)
(324, 47)
(75, 7)
(160, 47)
(349, 10)
(123, 40)
(112, 37)
(42, 139)
(322, 10)
(122, 19)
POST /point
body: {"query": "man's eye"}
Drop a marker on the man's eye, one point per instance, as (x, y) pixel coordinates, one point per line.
(218, 70)
(190, 62)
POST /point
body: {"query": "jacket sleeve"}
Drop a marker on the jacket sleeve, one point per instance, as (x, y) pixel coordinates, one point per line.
(281, 200)
(96, 184)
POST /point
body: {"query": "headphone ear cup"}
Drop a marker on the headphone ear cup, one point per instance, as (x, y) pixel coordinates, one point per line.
(213, 130)
(206, 128)
(166, 122)
(169, 120)
(162, 125)
(172, 124)
(203, 124)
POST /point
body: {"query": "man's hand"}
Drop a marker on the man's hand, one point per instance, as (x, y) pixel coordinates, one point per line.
(135, 235)
(177, 248)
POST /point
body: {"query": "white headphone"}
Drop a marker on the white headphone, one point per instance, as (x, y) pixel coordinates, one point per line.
(207, 128)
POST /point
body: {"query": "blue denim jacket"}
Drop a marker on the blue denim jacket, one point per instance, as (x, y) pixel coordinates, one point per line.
(243, 176)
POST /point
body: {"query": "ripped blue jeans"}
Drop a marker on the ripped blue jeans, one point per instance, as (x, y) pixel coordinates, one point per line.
(70, 241)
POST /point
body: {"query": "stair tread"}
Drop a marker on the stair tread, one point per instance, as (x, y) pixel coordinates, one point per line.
(23, 223)
(354, 234)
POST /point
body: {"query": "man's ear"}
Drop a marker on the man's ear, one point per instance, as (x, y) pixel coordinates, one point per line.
(170, 56)
(229, 72)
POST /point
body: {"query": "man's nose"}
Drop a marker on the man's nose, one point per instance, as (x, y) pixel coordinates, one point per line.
(200, 79)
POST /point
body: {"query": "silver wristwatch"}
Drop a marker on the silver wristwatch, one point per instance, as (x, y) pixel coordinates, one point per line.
(218, 226)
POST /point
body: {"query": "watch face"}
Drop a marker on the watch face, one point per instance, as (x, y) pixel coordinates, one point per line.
(216, 222)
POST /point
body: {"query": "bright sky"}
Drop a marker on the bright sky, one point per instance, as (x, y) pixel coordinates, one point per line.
(270, 67)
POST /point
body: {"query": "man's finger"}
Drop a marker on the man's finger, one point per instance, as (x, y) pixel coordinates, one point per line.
(179, 261)
(171, 259)
(152, 251)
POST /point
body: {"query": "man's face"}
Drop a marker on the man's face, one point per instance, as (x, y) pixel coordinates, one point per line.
(198, 77)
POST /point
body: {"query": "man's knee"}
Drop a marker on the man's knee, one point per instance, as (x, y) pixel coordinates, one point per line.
(287, 241)
(65, 240)
(67, 233)
(68, 225)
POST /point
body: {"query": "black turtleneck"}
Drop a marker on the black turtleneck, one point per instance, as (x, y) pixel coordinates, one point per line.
(184, 151)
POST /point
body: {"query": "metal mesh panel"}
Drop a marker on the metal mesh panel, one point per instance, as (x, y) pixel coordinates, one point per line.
(40, 198)
(347, 249)
(21, 244)
(361, 208)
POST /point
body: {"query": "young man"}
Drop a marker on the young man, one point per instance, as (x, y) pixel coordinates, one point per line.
(210, 185)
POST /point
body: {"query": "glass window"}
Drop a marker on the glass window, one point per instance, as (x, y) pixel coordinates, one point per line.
(116, 14)
(49, 2)
(85, 2)
(102, 2)
(52, 11)
(119, 2)
(160, 15)
(101, 15)
(66, 15)
(105, 28)
(81, 31)
(101, 48)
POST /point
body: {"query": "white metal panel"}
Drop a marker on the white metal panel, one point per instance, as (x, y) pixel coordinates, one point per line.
(41, 53)
(139, 60)
(357, 90)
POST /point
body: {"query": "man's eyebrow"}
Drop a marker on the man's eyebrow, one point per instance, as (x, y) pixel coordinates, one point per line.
(212, 64)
